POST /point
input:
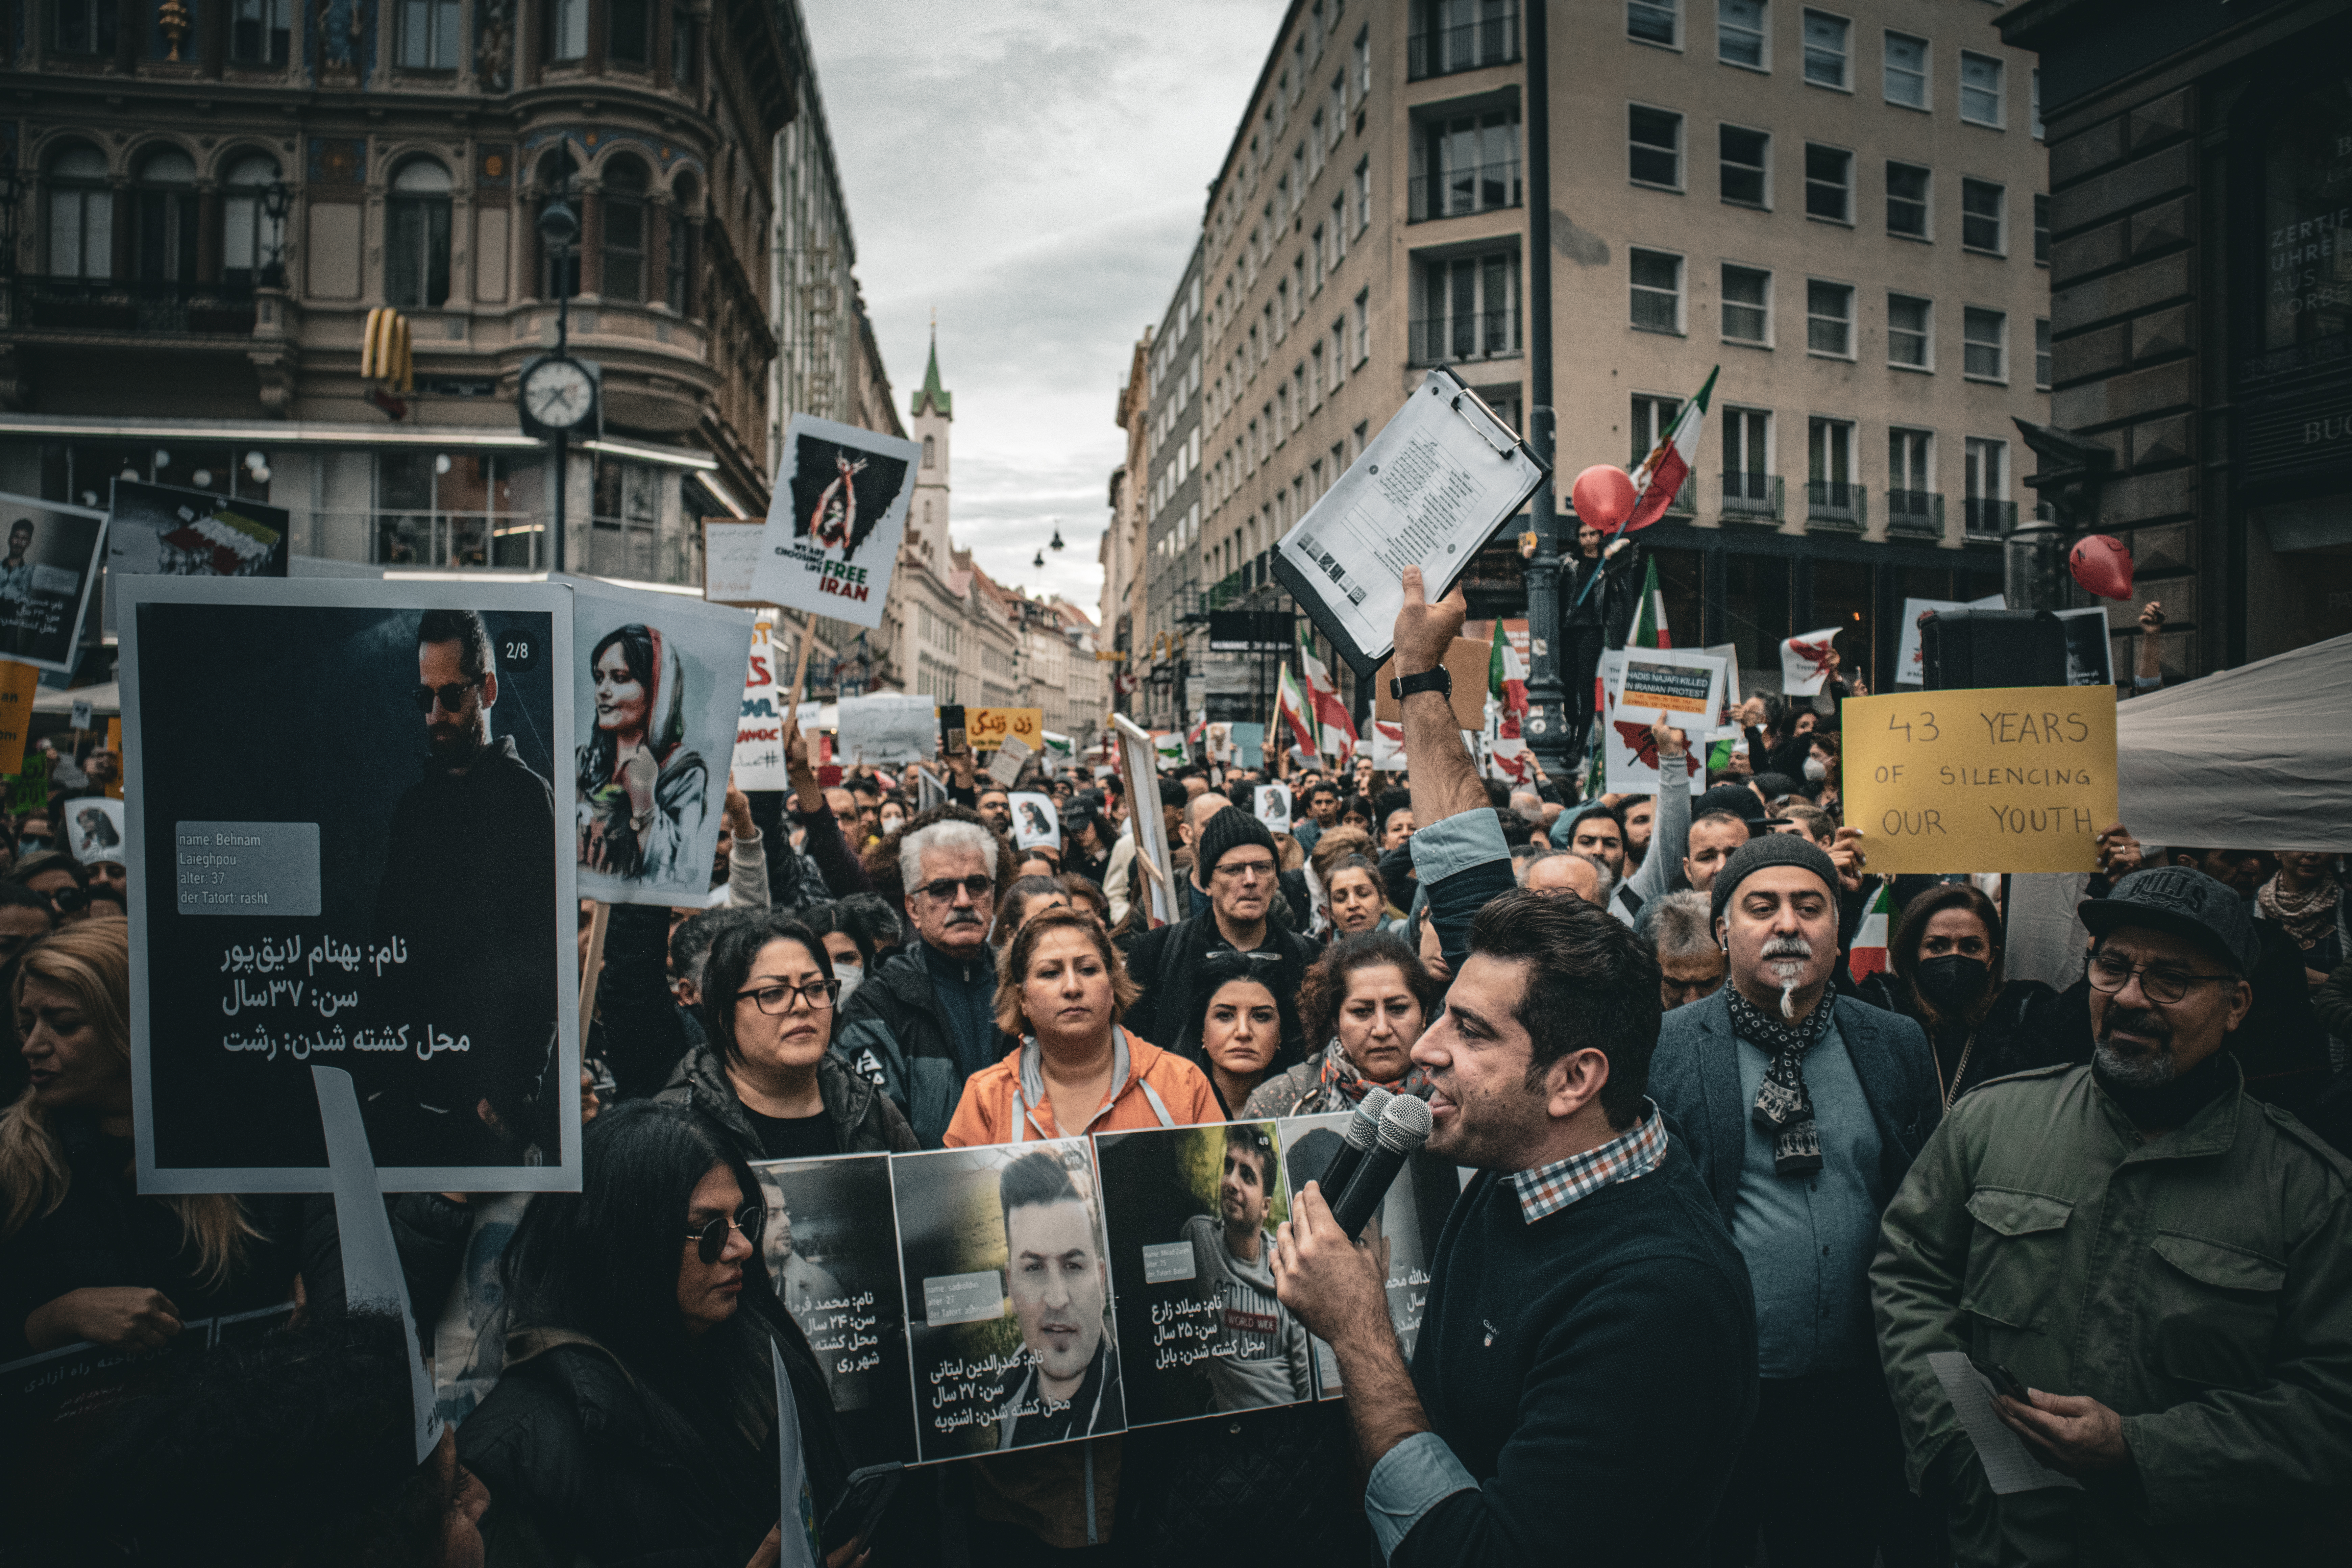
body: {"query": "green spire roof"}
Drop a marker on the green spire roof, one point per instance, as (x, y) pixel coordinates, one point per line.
(941, 400)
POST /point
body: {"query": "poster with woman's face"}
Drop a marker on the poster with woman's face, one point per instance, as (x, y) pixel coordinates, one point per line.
(658, 693)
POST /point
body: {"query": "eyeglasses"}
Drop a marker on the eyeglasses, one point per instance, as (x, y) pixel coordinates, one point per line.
(1245, 870)
(449, 696)
(943, 891)
(776, 1000)
(67, 900)
(2164, 988)
(711, 1239)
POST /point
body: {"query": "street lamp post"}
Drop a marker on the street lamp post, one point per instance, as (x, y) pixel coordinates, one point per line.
(1547, 727)
(277, 202)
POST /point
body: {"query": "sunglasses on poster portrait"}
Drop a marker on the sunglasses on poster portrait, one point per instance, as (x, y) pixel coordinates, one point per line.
(710, 1239)
(449, 696)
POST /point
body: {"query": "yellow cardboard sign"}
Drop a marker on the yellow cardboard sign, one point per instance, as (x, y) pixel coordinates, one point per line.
(114, 744)
(986, 727)
(2004, 778)
(18, 683)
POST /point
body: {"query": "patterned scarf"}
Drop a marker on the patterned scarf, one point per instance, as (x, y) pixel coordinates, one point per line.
(1782, 1107)
(2307, 916)
(1339, 1074)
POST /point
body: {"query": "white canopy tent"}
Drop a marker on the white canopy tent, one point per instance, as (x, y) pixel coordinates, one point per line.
(2255, 758)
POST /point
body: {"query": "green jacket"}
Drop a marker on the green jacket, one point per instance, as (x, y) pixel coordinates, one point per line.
(2200, 1285)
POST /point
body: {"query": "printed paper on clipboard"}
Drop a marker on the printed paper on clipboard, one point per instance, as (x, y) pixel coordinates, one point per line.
(1430, 490)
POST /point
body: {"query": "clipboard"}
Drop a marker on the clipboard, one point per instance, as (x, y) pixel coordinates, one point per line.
(1455, 474)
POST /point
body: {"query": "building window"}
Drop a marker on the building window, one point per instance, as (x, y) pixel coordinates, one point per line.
(1739, 33)
(1363, 195)
(1830, 490)
(2042, 354)
(1985, 485)
(250, 241)
(1828, 318)
(1747, 305)
(1746, 460)
(677, 285)
(1826, 39)
(1910, 482)
(1981, 89)
(1652, 417)
(1985, 334)
(1360, 316)
(1743, 165)
(1654, 147)
(1655, 21)
(1315, 248)
(1470, 165)
(2041, 229)
(1657, 292)
(1982, 202)
(1906, 200)
(1910, 331)
(85, 27)
(1338, 360)
(81, 216)
(1471, 309)
(428, 34)
(685, 47)
(567, 29)
(1363, 62)
(1452, 36)
(1828, 182)
(1339, 231)
(260, 32)
(625, 231)
(416, 245)
(163, 218)
(2035, 120)
(629, 31)
(1906, 70)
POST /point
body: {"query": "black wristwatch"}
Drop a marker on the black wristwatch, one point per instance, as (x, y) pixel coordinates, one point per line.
(1440, 680)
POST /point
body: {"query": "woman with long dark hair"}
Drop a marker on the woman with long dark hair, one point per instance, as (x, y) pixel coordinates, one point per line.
(641, 794)
(1239, 1029)
(1365, 1000)
(1945, 974)
(635, 1420)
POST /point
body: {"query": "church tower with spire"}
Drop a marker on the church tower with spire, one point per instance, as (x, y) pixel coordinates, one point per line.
(934, 416)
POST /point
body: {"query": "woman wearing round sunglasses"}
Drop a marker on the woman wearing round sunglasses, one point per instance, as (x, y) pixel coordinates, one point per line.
(636, 1418)
(764, 1076)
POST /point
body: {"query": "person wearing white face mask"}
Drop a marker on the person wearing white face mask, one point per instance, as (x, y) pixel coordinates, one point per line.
(851, 950)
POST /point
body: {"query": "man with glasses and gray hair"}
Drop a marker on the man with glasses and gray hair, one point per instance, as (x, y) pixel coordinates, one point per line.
(2159, 1265)
(1237, 863)
(924, 1020)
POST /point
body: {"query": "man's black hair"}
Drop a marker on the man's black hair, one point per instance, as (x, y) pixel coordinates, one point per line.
(1322, 786)
(1517, 829)
(1249, 1137)
(871, 920)
(690, 944)
(1498, 794)
(861, 785)
(824, 918)
(465, 628)
(1037, 1178)
(1171, 796)
(1391, 802)
(296, 1449)
(1590, 986)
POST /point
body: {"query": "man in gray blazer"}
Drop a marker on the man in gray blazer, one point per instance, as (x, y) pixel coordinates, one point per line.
(1802, 1110)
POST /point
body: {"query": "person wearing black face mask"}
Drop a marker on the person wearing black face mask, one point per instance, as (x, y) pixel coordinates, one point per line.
(1947, 977)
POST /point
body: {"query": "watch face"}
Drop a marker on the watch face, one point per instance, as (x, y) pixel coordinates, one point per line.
(557, 394)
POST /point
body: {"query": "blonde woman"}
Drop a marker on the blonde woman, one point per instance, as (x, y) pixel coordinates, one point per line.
(83, 1254)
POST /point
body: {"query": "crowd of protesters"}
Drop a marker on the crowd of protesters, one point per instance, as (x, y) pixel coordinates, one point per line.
(1728, 1187)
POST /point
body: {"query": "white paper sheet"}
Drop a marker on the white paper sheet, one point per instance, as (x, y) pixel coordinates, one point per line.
(2008, 1466)
(886, 729)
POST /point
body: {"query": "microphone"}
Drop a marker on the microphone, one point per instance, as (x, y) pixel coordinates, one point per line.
(1404, 1127)
(1354, 1140)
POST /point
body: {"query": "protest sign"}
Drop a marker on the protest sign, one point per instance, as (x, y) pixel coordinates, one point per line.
(19, 684)
(1805, 661)
(1010, 758)
(731, 553)
(990, 726)
(114, 744)
(80, 716)
(2090, 651)
(162, 531)
(979, 1230)
(94, 830)
(1190, 1213)
(1981, 779)
(1059, 747)
(1387, 742)
(884, 729)
(657, 713)
(1169, 747)
(395, 896)
(1138, 767)
(1272, 806)
(51, 562)
(1629, 752)
(834, 524)
(1036, 821)
(1910, 652)
(759, 756)
(1683, 686)
(28, 788)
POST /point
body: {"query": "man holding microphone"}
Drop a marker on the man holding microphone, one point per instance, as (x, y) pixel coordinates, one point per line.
(1586, 1366)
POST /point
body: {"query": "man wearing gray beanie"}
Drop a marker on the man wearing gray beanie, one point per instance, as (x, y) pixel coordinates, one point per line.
(1237, 864)
(1803, 1111)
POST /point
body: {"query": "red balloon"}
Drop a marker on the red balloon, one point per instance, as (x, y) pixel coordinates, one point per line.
(1602, 496)
(2103, 565)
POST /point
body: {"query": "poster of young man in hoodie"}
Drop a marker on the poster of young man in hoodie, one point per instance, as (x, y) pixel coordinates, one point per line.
(46, 574)
(837, 513)
(658, 711)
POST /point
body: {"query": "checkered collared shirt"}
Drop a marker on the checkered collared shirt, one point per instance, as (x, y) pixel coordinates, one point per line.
(1636, 1152)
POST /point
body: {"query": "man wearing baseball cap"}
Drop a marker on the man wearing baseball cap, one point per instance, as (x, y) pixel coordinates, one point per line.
(2164, 1263)
(1802, 1110)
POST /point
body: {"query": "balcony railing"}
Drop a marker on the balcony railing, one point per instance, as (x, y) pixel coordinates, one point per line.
(1837, 503)
(1753, 497)
(1914, 511)
(1987, 519)
(1481, 187)
(1471, 335)
(1442, 51)
(146, 308)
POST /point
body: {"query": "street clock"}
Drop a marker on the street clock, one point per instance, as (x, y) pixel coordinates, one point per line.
(559, 396)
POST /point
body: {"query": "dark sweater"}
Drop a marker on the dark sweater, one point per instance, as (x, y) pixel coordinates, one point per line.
(1595, 1371)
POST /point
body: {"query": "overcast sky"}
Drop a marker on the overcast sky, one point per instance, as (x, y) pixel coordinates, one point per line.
(1036, 171)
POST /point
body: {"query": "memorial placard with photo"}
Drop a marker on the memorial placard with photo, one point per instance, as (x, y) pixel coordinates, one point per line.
(94, 830)
(1191, 1212)
(46, 574)
(834, 524)
(1007, 1286)
(1403, 1232)
(1036, 820)
(395, 896)
(162, 531)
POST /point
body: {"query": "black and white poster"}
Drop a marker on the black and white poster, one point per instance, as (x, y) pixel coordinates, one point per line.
(1007, 1284)
(94, 830)
(2089, 649)
(1191, 1212)
(1403, 1232)
(391, 894)
(160, 529)
(834, 523)
(830, 1245)
(52, 559)
(656, 690)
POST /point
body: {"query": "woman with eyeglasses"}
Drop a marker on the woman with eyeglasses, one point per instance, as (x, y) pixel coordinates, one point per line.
(636, 1418)
(1945, 974)
(58, 878)
(764, 1076)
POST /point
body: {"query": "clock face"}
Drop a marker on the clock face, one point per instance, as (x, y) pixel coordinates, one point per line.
(558, 393)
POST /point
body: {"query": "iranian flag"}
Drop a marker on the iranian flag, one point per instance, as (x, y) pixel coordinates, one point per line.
(1660, 478)
(1868, 955)
(1290, 708)
(1650, 628)
(1507, 677)
(1339, 730)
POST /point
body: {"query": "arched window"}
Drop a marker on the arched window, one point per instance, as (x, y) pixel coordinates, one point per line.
(678, 288)
(624, 231)
(250, 241)
(81, 216)
(163, 238)
(557, 177)
(416, 243)
(931, 460)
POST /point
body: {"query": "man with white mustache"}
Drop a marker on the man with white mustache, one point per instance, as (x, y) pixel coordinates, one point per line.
(1803, 1111)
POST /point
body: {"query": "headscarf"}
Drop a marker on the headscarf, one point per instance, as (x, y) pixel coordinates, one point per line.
(2307, 916)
